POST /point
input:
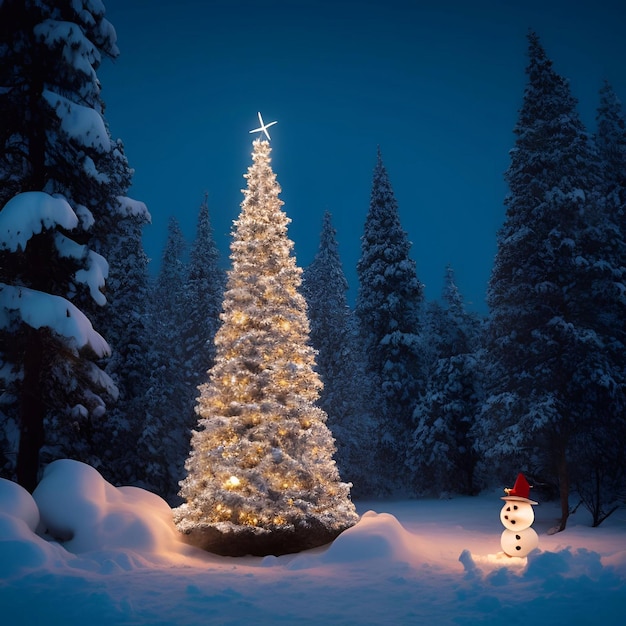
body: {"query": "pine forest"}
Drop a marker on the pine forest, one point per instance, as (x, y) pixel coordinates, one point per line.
(248, 392)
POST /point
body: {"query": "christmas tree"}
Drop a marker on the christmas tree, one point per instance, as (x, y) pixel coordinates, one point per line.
(261, 477)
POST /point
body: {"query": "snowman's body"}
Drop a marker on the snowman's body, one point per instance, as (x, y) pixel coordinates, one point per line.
(517, 516)
(519, 542)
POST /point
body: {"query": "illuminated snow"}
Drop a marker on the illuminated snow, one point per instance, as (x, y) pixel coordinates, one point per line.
(117, 559)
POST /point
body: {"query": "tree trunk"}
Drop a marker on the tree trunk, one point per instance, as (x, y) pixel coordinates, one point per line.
(36, 129)
(32, 411)
(563, 476)
(32, 407)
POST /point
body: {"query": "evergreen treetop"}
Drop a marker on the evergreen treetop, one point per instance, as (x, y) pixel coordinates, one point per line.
(390, 294)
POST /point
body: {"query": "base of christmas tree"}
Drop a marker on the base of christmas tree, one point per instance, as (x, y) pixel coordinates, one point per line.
(228, 539)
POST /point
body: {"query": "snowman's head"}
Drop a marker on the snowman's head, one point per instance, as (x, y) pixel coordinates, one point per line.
(517, 515)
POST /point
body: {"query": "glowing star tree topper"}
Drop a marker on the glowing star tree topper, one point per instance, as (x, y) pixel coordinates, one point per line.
(517, 516)
(263, 128)
(261, 475)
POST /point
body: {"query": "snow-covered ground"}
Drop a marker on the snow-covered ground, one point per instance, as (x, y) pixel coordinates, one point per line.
(117, 560)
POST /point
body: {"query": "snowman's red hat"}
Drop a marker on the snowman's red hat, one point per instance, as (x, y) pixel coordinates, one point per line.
(520, 491)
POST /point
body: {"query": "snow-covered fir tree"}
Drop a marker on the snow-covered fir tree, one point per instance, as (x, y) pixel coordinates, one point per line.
(599, 471)
(109, 442)
(204, 292)
(442, 457)
(196, 306)
(165, 428)
(340, 362)
(54, 187)
(123, 322)
(261, 477)
(388, 307)
(610, 140)
(553, 293)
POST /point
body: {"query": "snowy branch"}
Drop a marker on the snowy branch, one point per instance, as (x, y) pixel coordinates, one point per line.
(132, 208)
(28, 213)
(38, 309)
(81, 123)
(78, 51)
(96, 267)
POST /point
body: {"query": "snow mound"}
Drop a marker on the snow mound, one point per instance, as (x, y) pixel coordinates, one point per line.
(121, 561)
(86, 513)
(537, 566)
(21, 550)
(18, 503)
(375, 536)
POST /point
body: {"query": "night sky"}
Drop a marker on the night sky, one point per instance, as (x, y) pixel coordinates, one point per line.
(437, 85)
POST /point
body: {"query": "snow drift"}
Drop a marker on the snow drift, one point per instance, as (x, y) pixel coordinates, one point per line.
(89, 551)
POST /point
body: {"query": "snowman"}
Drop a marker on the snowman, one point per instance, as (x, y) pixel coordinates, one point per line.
(516, 516)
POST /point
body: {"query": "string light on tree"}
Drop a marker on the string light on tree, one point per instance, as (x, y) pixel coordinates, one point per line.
(261, 475)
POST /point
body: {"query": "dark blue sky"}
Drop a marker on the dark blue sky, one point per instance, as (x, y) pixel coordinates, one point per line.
(437, 84)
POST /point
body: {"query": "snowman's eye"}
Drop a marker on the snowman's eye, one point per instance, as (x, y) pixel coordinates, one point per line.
(515, 507)
(508, 508)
